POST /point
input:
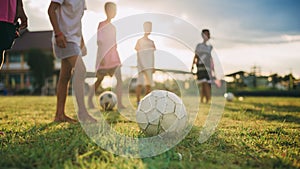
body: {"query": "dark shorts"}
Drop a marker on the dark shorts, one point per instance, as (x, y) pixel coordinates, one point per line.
(202, 75)
(105, 72)
(7, 35)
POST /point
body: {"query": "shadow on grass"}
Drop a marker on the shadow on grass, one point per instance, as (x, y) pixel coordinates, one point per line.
(44, 146)
(217, 152)
(65, 145)
(269, 111)
(114, 117)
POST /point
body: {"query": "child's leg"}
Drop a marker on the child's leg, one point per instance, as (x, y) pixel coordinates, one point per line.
(208, 92)
(93, 89)
(119, 88)
(148, 89)
(202, 91)
(62, 91)
(78, 84)
(2, 59)
(148, 74)
(138, 92)
(139, 87)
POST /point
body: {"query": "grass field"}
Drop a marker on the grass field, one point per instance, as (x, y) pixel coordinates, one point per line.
(259, 132)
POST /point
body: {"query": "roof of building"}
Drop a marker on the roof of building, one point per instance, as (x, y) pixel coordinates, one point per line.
(33, 40)
(235, 73)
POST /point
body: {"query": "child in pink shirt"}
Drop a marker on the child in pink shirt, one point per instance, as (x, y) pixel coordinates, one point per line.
(108, 61)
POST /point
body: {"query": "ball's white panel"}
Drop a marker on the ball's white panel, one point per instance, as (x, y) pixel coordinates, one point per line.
(143, 126)
(174, 126)
(141, 117)
(159, 93)
(170, 106)
(174, 97)
(153, 115)
(181, 124)
(161, 104)
(155, 122)
(147, 104)
(152, 130)
(168, 120)
(180, 111)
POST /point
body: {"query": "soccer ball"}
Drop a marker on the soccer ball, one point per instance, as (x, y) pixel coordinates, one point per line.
(161, 112)
(107, 100)
(229, 96)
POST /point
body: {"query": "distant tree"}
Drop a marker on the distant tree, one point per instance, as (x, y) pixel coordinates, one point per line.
(290, 79)
(275, 79)
(41, 65)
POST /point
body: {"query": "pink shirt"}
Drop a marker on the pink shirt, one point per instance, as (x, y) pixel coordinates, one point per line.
(107, 55)
(8, 10)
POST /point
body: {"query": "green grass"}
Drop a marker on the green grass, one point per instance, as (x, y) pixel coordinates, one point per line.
(259, 132)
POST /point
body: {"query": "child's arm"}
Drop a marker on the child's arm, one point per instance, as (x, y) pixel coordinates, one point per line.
(195, 60)
(59, 36)
(154, 48)
(22, 15)
(212, 67)
(137, 48)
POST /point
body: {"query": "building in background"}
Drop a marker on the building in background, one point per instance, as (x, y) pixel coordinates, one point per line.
(242, 79)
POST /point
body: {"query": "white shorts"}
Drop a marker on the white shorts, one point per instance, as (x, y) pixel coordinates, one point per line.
(72, 49)
(203, 80)
(145, 77)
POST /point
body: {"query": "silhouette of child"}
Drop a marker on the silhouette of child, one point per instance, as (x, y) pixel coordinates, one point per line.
(145, 61)
(108, 60)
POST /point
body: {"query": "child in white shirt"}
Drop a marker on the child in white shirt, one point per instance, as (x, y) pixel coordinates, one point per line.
(145, 61)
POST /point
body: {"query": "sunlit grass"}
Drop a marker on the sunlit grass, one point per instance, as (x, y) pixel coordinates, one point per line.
(259, 132)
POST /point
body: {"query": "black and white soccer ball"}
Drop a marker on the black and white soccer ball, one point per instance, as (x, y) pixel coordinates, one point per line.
(229, 96)
(161, 112)
(107, 100)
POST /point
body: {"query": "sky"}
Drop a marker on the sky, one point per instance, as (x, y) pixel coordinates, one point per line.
(264, 33)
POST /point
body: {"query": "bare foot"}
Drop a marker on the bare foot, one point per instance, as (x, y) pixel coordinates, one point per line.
(86, 118)
(64, 118)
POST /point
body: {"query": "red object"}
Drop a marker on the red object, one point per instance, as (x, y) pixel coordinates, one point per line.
(58, 34)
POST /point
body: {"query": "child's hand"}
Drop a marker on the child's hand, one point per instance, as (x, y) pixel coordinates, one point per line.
(61, 40)
(83, 47)
(83, 50)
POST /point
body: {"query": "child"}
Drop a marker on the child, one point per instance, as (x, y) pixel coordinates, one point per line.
(204, 63)
(68, 45)
(108, 61)
(10, 12)
(145, 61)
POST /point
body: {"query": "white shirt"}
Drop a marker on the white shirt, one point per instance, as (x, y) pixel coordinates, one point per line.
(145, 53)
(69, 16)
